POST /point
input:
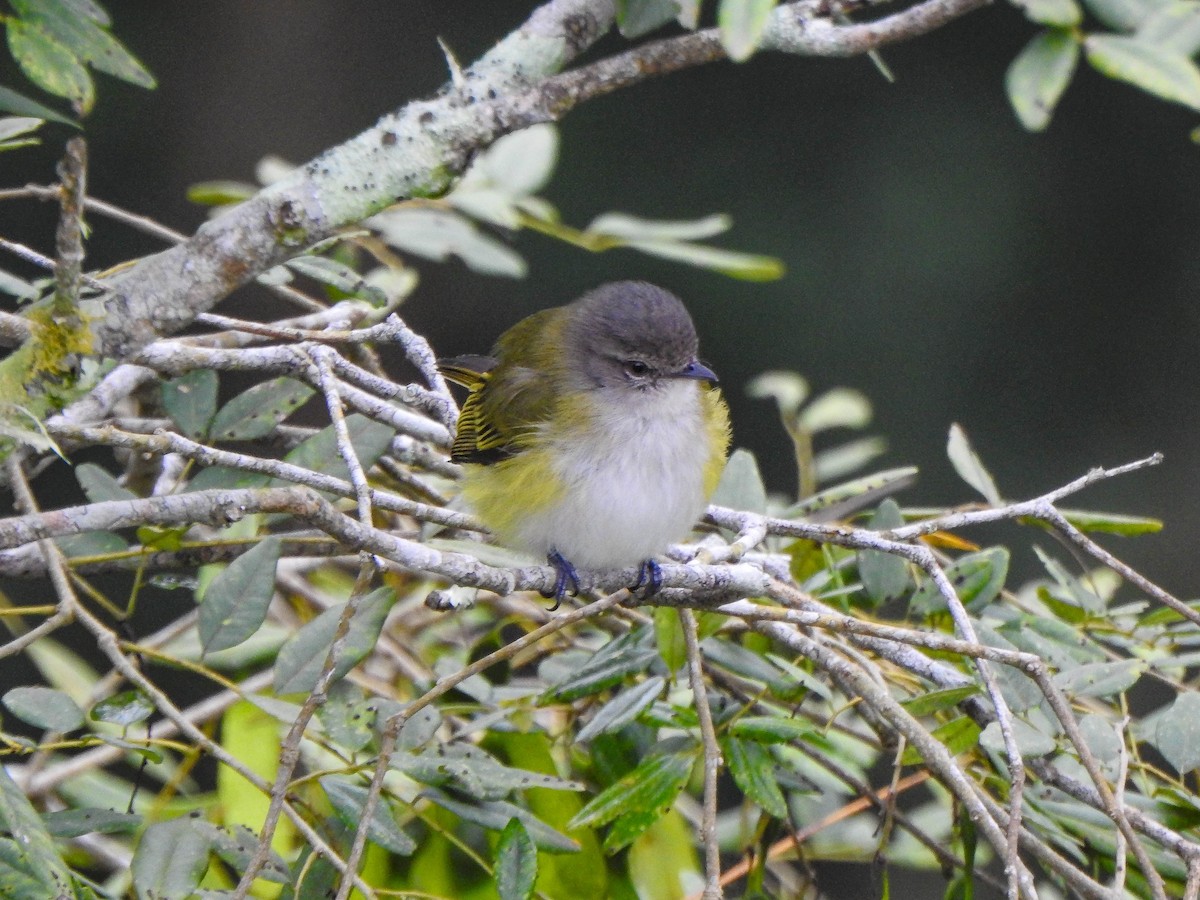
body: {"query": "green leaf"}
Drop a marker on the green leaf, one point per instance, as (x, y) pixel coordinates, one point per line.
(1038, 76)
(650, 788)
(476, 771)
(773, 730)
(957, 736)
(236, 601)
(338, 276)
(668, 636)
(99, 485)
(839, 407)
(1031, 741)
(438, 235)
(876, 483)
(753, 768)
(220, 192)
(1057, 13)
(86, 39)
(936, 701)
(788, 389)
(48, 64)
(236, 846)
(516, 862)
(495, 815)
(255, 413)
(73, 823)
(191, 401)
(44, 707)
(32, 861)
(302, 657)
(12, 127)
(631, 653)
(522, 162)
(1111, 523)
(977, 578)
(1175, 26)
(634, 228)
(1156, 70)
(1178, 733)
(885, 576)
(1100, 679)
(741, 485)
(170, 860)
(349, 798)
(622, 709)
(743, 266)
(969, 467)
(1123, 15)
(349, 717)
(638, 17)
(17, 287)
(20, 105)
(741, 24)
(319, 453)
(123, 709)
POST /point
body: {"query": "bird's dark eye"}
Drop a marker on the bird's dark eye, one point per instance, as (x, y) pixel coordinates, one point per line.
(637, 368)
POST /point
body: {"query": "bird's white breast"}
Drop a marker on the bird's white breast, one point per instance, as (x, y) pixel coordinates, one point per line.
(631, 485)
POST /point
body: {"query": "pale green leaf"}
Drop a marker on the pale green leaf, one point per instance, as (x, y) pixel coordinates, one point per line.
(123, 709)
(338, 276)
(745, 266)
(15, 126)
(1057, 13)
(220, 192)
(635, 228)
(170, 859)
(669, 638)
(839, 461)
(936, 701)
(638, 17)
(438, 235)
(884, 576)
(1178, 734)
(72, 823)
(235, 603)
(969, 466)
(496, 814)
(44, 707)
(85, 38)
(741, 485)
(1030, 741)
(319, 453)
(1100, 679)
(521, 163)
(788, 389)
(1039, 75)
(1156, 70)
(837, 408)
(741, 24)
(20, 105)
(17, 287)
(1123, 15)
(1174, 27)
(99, 485)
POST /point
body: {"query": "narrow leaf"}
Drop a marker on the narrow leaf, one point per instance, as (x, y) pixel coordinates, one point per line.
(936, 701)
(73, 823)
(20, 105)
(969, 467)
(1156, 70)
(1058, 13)
(623, 708)
(516, 862)
(651, 787)
(33, 851)
(236, 601)
(1178, 734)
(48, 64)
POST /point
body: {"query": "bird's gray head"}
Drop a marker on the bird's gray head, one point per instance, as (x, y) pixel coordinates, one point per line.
(632, 333)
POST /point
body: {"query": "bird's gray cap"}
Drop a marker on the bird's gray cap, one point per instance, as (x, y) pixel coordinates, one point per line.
(634, 319)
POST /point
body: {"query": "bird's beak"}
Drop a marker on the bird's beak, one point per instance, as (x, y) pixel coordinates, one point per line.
(698, 370)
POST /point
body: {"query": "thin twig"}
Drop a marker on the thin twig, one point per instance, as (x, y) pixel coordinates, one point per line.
(712, 756)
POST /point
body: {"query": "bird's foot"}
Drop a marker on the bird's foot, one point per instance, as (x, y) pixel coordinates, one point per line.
(649, 576)
(564, 574)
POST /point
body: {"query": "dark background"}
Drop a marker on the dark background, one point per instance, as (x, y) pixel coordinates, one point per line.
(1039, 289)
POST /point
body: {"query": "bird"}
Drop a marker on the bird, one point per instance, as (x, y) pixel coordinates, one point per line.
(592, 433)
